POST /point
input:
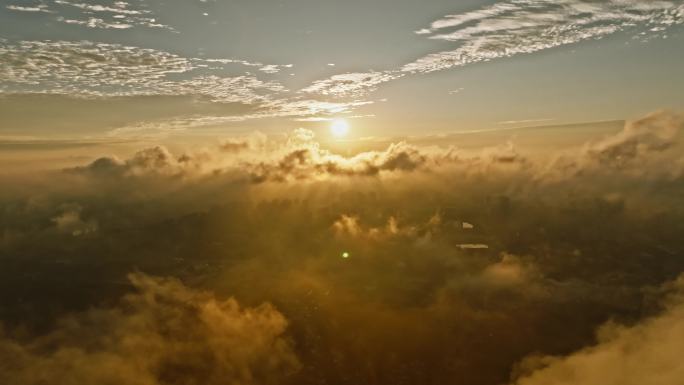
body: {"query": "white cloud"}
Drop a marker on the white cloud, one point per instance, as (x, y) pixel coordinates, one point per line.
(94, 22)
(274, 68)
(99, 69)
(310, 110)
(22, 8)
(526, 121)
(525, 26)
(159, 325)
(120, 7)
(515, 27)
(647, 353)
(115, 15)
(351, 84)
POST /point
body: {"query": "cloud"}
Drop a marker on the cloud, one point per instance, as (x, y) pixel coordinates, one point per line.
(274, 68)
(285, 107)
(657, 132)
(116, 15)
(511, 28)
(94, 22)
(526, 121)
(21, 8)
(351, 84)
(646, 353)
(154, 160)
(516, 27)
(120, 7)
(255, 141)
(308, 161)
(647, 148)
(106, 70)
(162, 333)
(459, 263)
(70, 221)
(300, 157)
(100, 70)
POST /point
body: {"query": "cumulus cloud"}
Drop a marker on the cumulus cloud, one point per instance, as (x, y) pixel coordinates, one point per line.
(646, 353)
(151, 161)
(162, 333)
(255, 141)
(310, 162)
(514, 27)
(647, 148)
(70, 221)
(411, 263)
(657, 132)
(299, 157)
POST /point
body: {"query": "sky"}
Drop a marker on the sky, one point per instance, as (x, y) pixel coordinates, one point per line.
(254, 192)
(123, 70)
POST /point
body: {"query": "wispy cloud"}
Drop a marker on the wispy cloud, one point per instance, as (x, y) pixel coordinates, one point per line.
(94, 22)
(265, 68)
(328, 118)
(306, 110)
(351, 84)
(525, 121)
(514, 27)
(525, 26)
(99, 69)
(32, 8)
(507, 28)
(119, 7)
(114, 15)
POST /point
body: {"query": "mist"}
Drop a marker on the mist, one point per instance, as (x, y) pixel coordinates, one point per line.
(265, 260)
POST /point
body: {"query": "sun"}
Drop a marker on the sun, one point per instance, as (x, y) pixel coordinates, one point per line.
(339, 128)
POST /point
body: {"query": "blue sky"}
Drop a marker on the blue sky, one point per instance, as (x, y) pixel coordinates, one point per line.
(84, 68)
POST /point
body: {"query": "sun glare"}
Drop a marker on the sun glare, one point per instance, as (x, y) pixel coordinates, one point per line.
(339, 128)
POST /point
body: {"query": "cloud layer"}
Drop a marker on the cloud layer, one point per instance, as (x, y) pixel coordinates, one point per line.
(163, 333)
(646, 353)
(404, 265)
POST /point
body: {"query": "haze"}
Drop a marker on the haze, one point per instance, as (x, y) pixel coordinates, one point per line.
(207, 192)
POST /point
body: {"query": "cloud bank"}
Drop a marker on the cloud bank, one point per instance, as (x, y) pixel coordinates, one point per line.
(646, 353)
(162, 333)
(409, 264)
